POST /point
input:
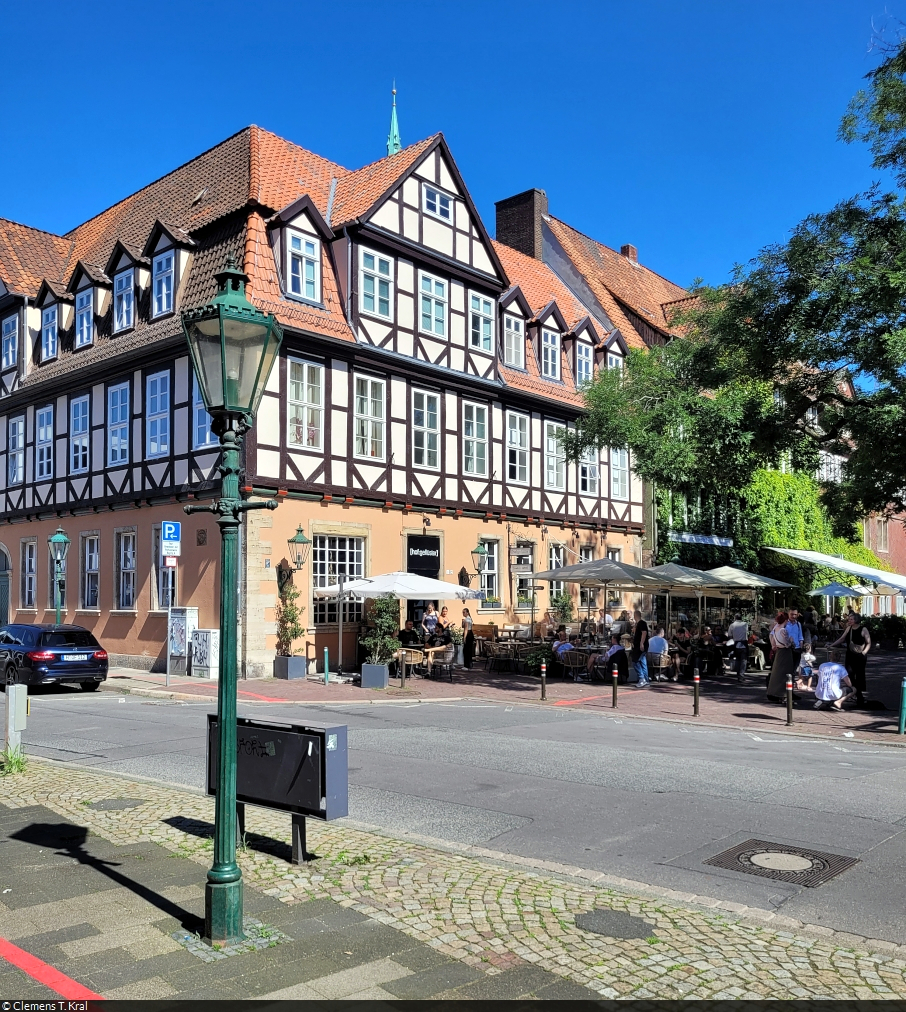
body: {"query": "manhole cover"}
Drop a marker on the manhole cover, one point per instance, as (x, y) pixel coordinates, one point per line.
(615, 923)
(116, 804)
(782, 862)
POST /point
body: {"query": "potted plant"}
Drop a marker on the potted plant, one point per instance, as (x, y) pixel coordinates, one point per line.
(289, 629)
(458, 637)
(562, 607)
(381, 642)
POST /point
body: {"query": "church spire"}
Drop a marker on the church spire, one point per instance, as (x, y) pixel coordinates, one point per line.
(394, 143)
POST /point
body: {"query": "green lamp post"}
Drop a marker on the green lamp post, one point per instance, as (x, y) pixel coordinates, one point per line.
(58, 546)
(233, 347)
(479, 558)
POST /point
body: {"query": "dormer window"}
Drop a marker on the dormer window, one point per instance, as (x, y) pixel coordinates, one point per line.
(10, 342)
(614, 361)
(550, 354)
(123, 295)
(84, 317)
(162, 284)
(583, 364)
(49, 333)
(304, 257)
(513, 342)
(482, 322)
(438, 204)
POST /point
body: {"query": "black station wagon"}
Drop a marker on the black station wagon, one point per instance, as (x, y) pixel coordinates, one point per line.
(48, 654)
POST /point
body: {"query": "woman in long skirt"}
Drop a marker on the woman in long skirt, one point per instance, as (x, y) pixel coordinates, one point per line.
(468, 643)
(784, 665)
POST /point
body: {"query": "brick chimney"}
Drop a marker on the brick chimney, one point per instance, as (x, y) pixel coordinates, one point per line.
(630, 252)
(519, 221)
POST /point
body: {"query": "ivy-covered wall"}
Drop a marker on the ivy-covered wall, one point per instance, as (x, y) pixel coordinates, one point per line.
(778, 509)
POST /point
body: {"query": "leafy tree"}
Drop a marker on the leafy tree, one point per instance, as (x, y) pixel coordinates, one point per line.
(381, 638)
(804, 350)
(289, 620)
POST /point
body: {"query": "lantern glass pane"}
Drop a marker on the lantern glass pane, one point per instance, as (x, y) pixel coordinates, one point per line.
(204, 337)
(244, 347)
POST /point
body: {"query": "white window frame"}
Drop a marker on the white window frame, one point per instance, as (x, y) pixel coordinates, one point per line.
(476, 438)
(163, 283)
(513, 341)
(305, 413)
(332, 555)
(126, 570)
(303, 266)
(118, 424)
(585, 363)
(588, 596)
(589, 472)
(164, 580)
(11, 341)
(79, 434)
(435, 300)
(371, 280)
(202, 436)
(44, 440)
(157, 415)
(435, 202)
(370, 428)
(550, 353)
(554, 457)
(28, 589)
(614, 361)
(90, 582)
(15, 449)
(426, 430)
(619, 474)
(124, 300)
(483, 314)
(556, 559)
(49, 332)
(491, 574)
(883, 535)
(517, 447)
(84, 318)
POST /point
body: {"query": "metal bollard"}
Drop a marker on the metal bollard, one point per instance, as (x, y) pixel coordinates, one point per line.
(789, 701)
(696, 690)
(326, 666)
(616, 676)
(544, 681)
(902, 728)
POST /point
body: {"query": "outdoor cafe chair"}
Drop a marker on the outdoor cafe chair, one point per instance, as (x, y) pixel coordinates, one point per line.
(442, 663)
(575, 663)
(414, 661)
(659, 667)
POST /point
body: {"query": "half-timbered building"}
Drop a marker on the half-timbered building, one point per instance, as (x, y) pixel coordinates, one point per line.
(425, 375)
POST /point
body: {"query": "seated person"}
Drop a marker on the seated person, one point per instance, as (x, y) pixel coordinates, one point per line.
(615, 655)
(833, 686)
(407, 636)
(708, 652)
(756, 645)
(658, 646)
(562, 644)
(682, 643)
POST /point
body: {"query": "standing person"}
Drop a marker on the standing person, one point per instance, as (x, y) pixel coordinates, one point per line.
(739, 634)
(429, 622)
(443, 620)
(640, 649)
(797, 635)
(468, 639)
(858, 643)
(784, 665)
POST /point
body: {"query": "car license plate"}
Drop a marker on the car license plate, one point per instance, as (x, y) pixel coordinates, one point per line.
(74, 657)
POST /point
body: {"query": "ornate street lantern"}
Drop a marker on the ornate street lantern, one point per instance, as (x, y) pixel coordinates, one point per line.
(299, 547)
(58, 546)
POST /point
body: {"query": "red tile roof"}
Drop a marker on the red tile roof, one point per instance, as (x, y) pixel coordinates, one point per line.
(614, 279)
(358, 191)
(28, 255)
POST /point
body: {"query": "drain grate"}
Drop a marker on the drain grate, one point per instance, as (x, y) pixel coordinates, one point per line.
(782, 862)
(614, 923)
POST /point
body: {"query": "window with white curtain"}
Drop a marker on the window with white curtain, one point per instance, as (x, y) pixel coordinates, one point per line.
(306, 404)
(157, 414)
(554, 456)
(123, 295)
(513, 342)
(48, 333)
(475, 439)
(44, 442)
(162, 284)
(584, 367)
(304, 256)
(425, 429)
(84, 327)
(369, 417)
(118, 424)
(91, 570)
(619, 474)
(125, 570)
(491, 575)
(28, 590)
(556, 559)
(550, 354)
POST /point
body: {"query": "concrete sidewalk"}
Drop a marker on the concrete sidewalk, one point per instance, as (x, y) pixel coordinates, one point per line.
(103, 877)
(724, 702)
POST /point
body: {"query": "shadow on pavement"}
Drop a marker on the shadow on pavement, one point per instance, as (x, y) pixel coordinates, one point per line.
(69, 841)
(253, 841)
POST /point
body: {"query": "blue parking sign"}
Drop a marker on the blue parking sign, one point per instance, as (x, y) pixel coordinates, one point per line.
(170, 536)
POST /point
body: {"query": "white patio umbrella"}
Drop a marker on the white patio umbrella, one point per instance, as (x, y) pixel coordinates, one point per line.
(835, 589)
(405, 586)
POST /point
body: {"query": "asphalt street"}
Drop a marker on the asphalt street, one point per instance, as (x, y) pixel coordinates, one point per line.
(644, 800)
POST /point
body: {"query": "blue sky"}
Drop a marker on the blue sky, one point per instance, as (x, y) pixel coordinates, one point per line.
(699, 131)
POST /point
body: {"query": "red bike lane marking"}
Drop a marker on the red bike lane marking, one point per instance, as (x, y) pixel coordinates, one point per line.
(581, 699)
(45, 974)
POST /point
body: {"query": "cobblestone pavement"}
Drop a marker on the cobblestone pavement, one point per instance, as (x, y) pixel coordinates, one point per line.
(724, 702)
(499, 920)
